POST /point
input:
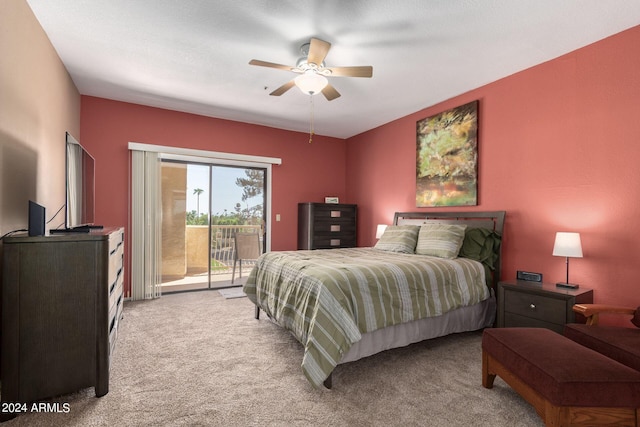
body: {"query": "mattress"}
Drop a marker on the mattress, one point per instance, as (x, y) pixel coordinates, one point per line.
(332, 299)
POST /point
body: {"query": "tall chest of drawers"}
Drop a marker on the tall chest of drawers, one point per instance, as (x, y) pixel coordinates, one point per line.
(326, 225)
(62, 299)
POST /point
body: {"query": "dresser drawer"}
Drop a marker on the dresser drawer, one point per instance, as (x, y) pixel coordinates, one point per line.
(540, 307)
(116, 258)
(516, 321)
(115, 290)
(115, 241)
(115, 313)
(334, 213)
(323, 242)
(334, 227)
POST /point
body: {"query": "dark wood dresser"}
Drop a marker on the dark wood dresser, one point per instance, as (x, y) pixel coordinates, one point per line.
(62, 298)
(326, 225)
(538, 305)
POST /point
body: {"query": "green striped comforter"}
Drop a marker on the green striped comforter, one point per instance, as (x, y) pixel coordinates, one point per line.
(328, 298)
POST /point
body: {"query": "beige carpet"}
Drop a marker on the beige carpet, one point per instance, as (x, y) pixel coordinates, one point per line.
(197, 359)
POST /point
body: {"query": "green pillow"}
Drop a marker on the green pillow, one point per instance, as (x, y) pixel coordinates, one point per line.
(440, 240)
(399, 238)
(482, 245)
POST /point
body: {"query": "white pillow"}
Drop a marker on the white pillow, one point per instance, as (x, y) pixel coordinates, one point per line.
(440, 240)
(399, 238)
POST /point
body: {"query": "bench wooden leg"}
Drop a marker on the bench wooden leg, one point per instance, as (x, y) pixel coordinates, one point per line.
(493, 368)
(487, 377)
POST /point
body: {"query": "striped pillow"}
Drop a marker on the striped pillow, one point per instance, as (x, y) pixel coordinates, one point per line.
(440, 240)
(399, 238)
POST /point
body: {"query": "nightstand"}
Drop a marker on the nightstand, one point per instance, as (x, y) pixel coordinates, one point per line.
(538, 305)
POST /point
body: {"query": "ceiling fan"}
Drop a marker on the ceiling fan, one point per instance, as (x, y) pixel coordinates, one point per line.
(313, 72)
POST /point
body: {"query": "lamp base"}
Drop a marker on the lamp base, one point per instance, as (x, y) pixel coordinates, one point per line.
(567, 285)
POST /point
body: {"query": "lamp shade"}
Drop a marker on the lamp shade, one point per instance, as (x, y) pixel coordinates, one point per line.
(568, 245)
(380, 230)
(311, 83)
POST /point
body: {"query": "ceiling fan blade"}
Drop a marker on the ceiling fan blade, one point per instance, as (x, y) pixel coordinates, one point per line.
(318, 49)
(364, 71)
(282, 89)
(330, 92)
(270, 65)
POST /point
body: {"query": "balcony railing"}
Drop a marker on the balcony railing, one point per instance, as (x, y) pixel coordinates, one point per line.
(222, 247)
(221, 251)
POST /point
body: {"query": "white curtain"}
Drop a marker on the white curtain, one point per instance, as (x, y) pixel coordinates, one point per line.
(146, 223)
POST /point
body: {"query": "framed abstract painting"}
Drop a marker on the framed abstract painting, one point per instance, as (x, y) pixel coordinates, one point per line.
(447, 158)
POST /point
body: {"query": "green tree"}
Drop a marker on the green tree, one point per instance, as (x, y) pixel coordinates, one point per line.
(252, 185)
(198, 192)
(194, 219)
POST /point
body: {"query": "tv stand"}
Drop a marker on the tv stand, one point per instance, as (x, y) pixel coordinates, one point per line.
(62, 301)
(79, 229)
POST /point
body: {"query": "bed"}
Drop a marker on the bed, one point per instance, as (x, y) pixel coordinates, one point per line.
(429, 275)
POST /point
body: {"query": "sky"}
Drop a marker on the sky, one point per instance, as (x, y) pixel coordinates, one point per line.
(225, 191)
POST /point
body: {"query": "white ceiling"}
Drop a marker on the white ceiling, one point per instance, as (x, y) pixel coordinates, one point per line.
(192, 55)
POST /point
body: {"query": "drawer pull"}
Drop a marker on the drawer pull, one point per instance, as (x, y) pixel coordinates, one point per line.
(336, 214)
(335, 242)
(532, 306)
(335, 228)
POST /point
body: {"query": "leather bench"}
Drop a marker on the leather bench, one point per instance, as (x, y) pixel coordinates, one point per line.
(567, 383)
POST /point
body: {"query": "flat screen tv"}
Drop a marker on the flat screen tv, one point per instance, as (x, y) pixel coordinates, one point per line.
(80, 187)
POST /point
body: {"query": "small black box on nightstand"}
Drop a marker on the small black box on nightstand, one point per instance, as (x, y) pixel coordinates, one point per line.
(529, 276)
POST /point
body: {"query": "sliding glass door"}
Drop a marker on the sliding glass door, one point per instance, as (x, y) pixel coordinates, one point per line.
(203, 205)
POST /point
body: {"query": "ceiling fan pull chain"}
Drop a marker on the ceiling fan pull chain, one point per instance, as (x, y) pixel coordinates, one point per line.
(311, 130)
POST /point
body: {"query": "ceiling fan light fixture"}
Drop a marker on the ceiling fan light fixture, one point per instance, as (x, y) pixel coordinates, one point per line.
(311, 83)
(313, 72)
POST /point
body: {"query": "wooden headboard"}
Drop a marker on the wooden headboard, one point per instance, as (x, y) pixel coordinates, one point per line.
(493, 220)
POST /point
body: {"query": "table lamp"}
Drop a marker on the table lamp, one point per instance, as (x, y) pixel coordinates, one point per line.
(567, 245)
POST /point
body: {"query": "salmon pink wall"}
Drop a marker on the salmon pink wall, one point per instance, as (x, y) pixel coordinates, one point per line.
(559, 146)
(309, 171)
